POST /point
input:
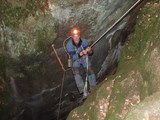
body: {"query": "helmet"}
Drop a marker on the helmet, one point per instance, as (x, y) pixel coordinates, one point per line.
(75, 31)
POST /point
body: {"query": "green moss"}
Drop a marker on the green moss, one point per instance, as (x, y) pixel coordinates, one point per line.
(145, 38)
(119, 94)
(147, 32)
(44, 38)
(135, 55)
(14, 15)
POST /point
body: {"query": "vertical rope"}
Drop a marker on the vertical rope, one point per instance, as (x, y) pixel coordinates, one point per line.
(86, 80)
(64, 73)
(59, 107)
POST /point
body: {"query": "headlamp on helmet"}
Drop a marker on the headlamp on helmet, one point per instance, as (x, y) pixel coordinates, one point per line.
(75, 32)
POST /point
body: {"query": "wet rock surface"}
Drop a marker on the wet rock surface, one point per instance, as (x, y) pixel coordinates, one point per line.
(149, 109)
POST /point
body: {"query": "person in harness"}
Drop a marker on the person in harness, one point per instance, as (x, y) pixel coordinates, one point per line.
(78, 48)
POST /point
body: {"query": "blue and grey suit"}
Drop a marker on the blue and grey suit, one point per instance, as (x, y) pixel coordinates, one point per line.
(74, 51)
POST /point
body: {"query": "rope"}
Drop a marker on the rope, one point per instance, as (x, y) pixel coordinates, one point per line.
(64, 46)
(86, 80)
(64, 73)
(59, 108)
(59, 60)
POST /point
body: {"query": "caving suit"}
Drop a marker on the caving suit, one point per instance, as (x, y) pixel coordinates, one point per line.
(74, 51)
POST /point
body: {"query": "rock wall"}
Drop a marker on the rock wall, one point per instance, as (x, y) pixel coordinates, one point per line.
(28, 28)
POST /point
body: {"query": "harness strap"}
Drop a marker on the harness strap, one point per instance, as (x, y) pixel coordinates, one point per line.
(76, 49)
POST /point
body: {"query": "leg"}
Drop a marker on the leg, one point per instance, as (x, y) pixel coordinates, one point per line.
(78, 78)
(92, 78)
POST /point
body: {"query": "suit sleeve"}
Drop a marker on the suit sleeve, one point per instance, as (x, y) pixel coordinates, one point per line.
(85, 45)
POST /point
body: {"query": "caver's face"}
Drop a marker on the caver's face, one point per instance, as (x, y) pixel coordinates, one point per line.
(76, 39)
